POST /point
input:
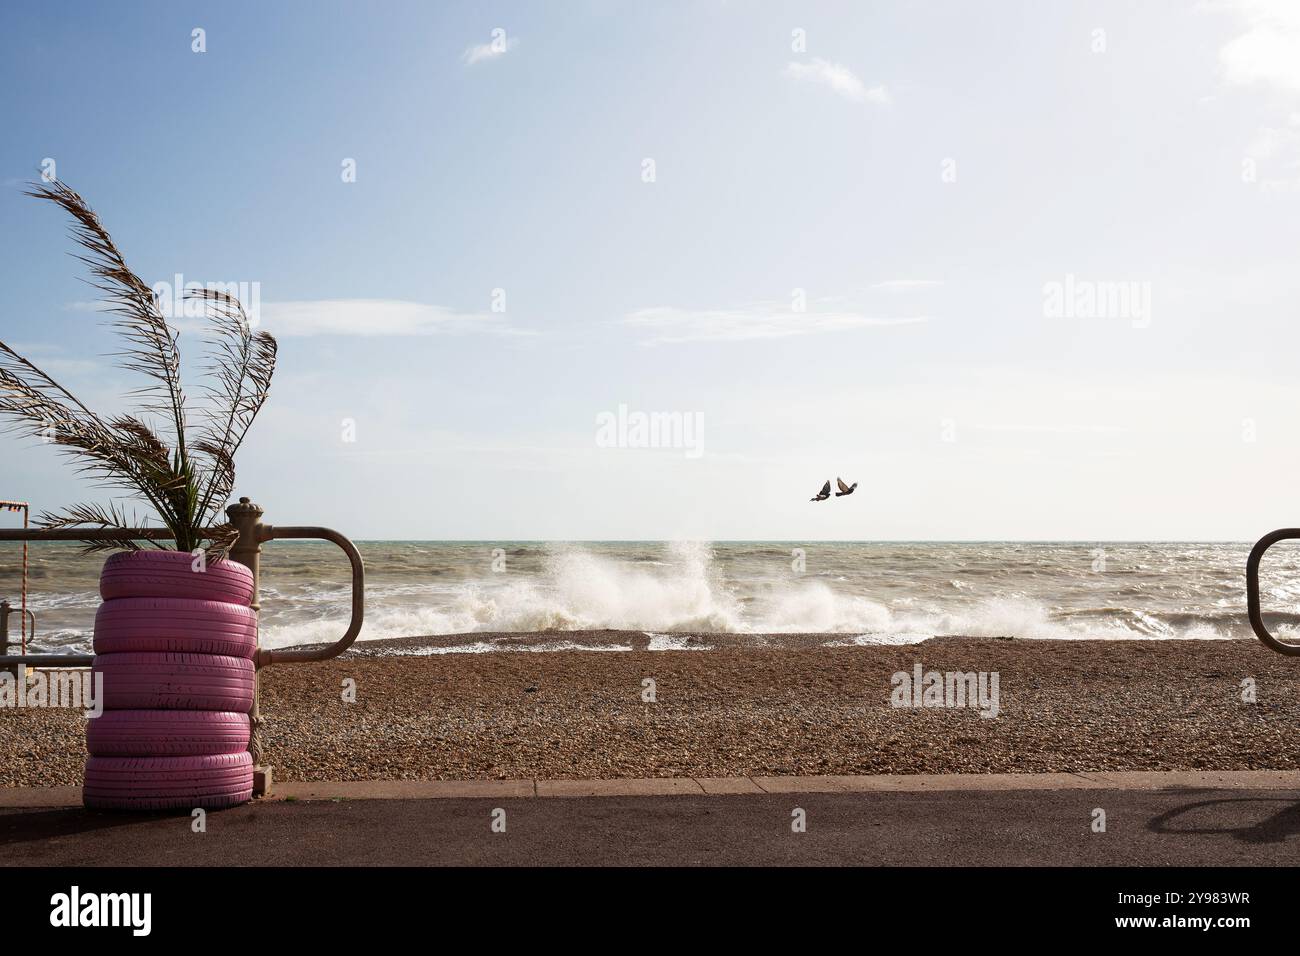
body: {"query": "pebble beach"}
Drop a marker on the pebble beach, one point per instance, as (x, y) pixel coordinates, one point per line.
(789, 706)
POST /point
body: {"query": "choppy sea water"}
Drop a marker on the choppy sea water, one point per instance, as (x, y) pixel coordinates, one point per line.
(857, 592)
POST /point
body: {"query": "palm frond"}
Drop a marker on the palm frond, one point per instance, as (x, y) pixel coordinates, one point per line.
(31, 401)
(126, 452)
(91, 518)
(221, 539)
(241, 363)
(150, 342)
(144, 447)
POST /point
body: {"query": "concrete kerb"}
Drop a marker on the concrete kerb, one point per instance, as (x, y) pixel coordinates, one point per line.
(55, 797)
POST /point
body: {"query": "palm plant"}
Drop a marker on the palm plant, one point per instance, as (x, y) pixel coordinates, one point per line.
(183, 472)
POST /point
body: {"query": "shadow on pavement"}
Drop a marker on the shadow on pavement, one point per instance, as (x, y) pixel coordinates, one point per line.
(29, 826)
(1275, 828)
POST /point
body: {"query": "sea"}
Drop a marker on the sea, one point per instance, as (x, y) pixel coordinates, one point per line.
(852, 592)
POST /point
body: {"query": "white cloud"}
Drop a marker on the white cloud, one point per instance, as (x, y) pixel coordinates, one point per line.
(1266, 55)
(67, 366)
(363, 317)
(1271, 141)
(498, 47)
(1064, 429)
(1268, 51)
(670, 326)
(906, 285)
(839, 78)
(376, 317)
(50, 358)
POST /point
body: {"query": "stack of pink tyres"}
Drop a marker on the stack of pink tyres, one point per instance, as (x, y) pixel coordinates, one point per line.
(174, 643)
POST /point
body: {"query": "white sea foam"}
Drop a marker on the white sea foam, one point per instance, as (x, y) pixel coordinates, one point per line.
(579, 589)
(675, 642)
(483, 647)
(864, 593)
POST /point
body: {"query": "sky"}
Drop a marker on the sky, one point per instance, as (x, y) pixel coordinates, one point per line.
(1021, 270)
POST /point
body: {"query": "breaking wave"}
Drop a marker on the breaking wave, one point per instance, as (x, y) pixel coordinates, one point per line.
(684, 589)
(858, 593)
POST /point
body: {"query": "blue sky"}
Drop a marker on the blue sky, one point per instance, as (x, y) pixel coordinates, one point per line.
(839, 267)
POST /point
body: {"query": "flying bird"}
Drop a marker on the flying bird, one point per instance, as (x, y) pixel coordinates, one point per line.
(824, 493)
(844, 489)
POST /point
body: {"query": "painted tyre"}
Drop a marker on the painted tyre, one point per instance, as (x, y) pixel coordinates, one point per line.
(170, 574)
(175, 625)
(174, 733)
(163, 783)
(176, 682)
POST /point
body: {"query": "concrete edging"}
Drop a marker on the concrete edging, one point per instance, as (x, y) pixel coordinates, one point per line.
(57, 797)
(724, 786)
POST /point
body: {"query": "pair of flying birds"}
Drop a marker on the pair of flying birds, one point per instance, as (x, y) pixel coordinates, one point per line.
(826, 490)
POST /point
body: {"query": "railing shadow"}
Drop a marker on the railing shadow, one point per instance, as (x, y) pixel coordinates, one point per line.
(39, 824)
(1274, 829)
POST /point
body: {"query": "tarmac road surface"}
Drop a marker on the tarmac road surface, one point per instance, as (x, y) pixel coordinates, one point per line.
(1187, 827)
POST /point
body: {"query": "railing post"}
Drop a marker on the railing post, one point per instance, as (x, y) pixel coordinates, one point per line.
(5, 610)
(246, 518)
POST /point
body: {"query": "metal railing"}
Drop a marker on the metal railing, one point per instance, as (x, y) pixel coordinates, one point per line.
(67, 534)
(25, 615)
(1252, 590)
(290, 655)
(246, 551)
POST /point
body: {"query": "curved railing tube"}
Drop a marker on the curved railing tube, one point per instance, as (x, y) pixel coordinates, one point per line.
(1252, 591)
(298, 655)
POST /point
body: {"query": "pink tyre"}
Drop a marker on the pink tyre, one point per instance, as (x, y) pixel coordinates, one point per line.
(163, 783)
(176, 682)
(133, 574)
(174, 733)
(175, 625)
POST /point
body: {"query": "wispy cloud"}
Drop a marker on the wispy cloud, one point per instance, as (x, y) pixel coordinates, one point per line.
(906, 285)
(88, 306)
(52, 358)
(1052, 429)
(498, 47)
(377, 317)
(1276, 149)
(839, 79)
(1274, 141)
(361, 317)
(671, 326)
